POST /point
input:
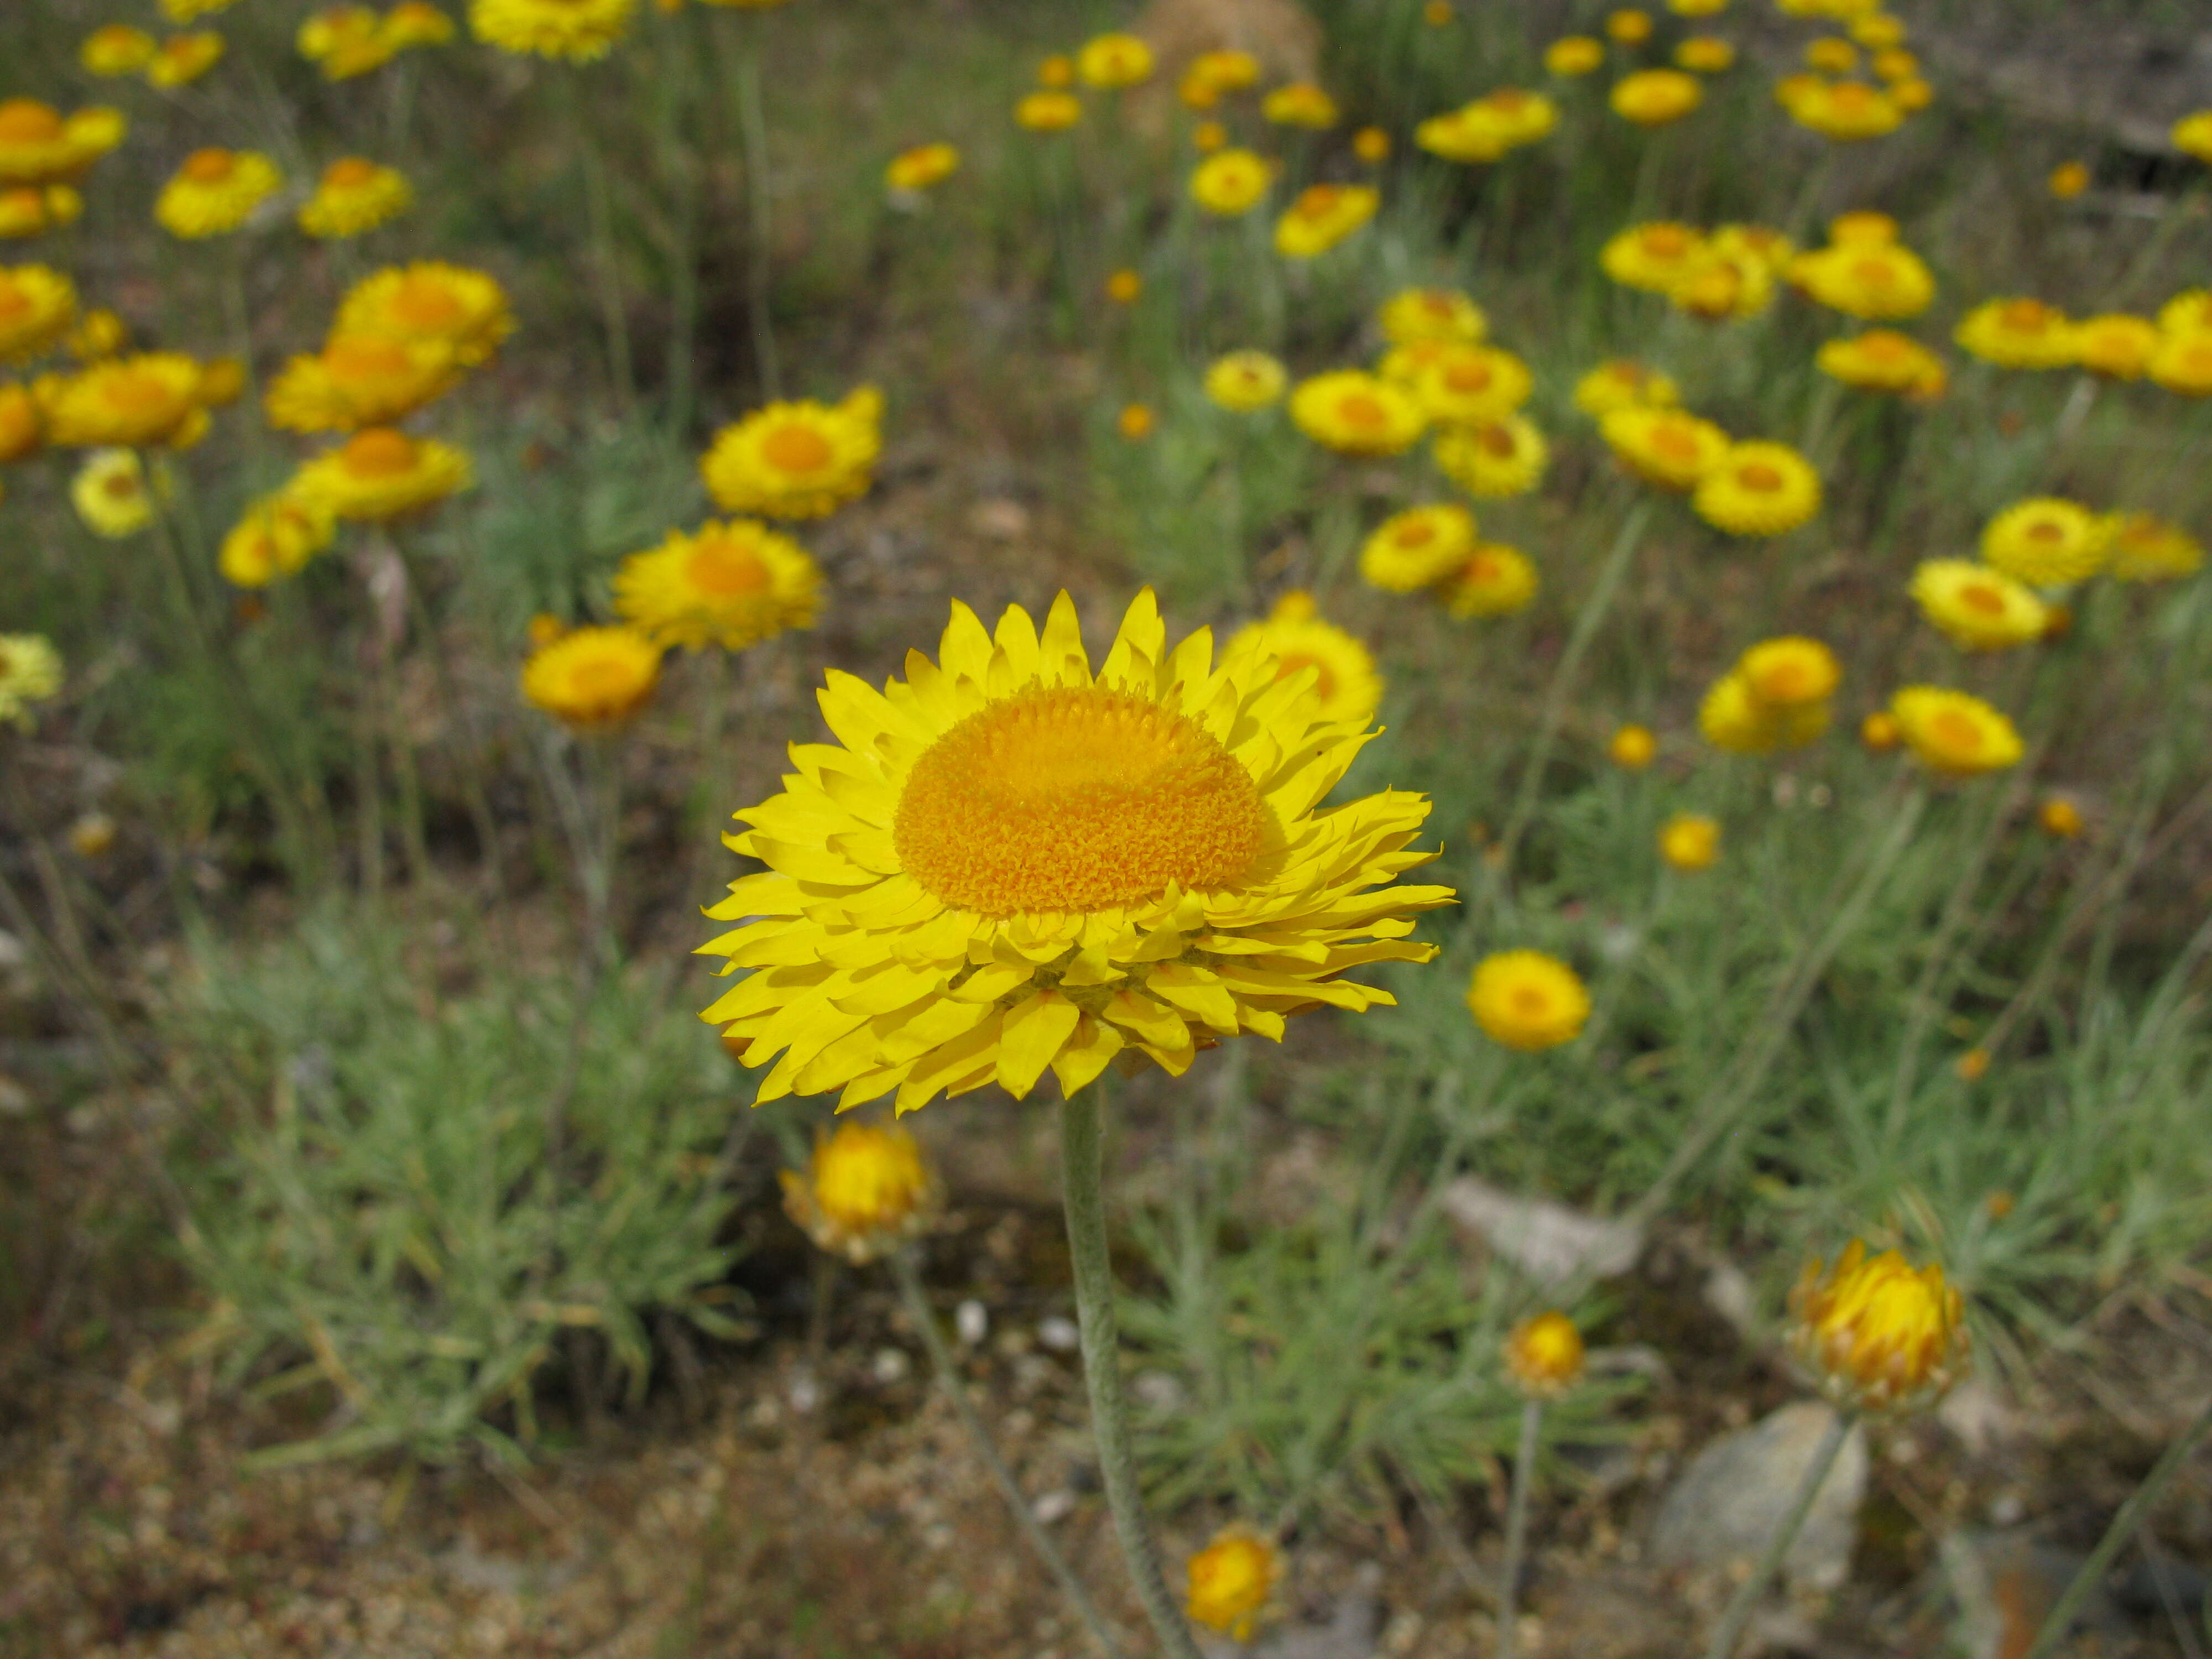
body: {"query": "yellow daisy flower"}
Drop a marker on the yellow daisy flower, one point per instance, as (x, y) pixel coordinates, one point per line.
(184, 11)
(1048, 111)
(1495, 459)
(1879, 732)
(125, 403)
(1652, 257)
(345, 41)
(1404, 365)
(1519, 116)
(99, 335)
(866, 1192)
(383, 474)
(797, 460)
(1655, 97)
(1706, 54)
(354, 196)
(1135, 421)
(1370, 144)
(1246, 380)
(578, 30)
(183, 58)
(2183, 363)
(2116, 345)
(1544, 1355)
(1723, 285)
(1125, 287)
(1863, 228)
(1632, 748)
(276, 537)
(112, 494)
(1882, 359)
(592, 678)
(922, 168)
(1345, 687)
(2144, 547)
(1467, 136)
(1208, 136)
(1418, 547)
(360, 380)
(1321, 217)
(2017, 334)
(37, 307)
(1697, 7)
(731, 585)
(1844, 112)
(1953, 732)
(2187, 312)
(1356, 413)
(1496, 580)
(40, 146)
(1431, 313)
(1114, 61)
(1008, 863)
(1528, 1001)
(1669, 447)
(1761, 242)
(22, 426)
(1874, 281)
(1232, 182)
(1057, 71)
(1574, 55)
(35, 210)
(1877, 31)
(1901, 68)
(1230, 1580)
(1227, 71)
(2192, 136)
(1880, 1335)
(1790, 674)
(1979, 608)
(215, 191)
(415, 23)
(1472, 383)
(1732, 718)
(1690, 841)
(2060, 818)
(1300, 104)
(30, 671)
(461, 309)
(1629, 27)
(117, 49)
(1624, 383)
(2046, 542)
(1831, 55)
(1759, 489)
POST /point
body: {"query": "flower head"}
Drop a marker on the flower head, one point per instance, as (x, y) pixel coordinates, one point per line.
(1655, 97)
(37, 307)
(731, 585)
(2060, 818)
(1232, 182)
(354, 196)
(1882, 359)
(1494, 458)
(1300, 104)
(1978, 607)
(99, 335)
(381, 474)
(40, 146)
(1953, 732)
(1878, 282)
(30, 671)
(1461, 382)
(592, 678)
(1776, 697)
(183, 58)
(112, 494)
(1630, 25)
(1496, 580)
(2047, 542)
(1831, 55)
(1057, 72)
(1669, 447)
(1230, 1580)
(1371, 145)
(1356, 413)
(1047, 111)
(1321, 217)
(2017, 334)
(1653, 257)
(428, 301)
(116, 49)
(1544, 1355)
(1724, 283)
(415, 23)
(865, 1192)
(1573, 55)
(1114, 61)
(912, 171)
(1008, 863)
(359, 381)
(2145, 548)
(153, 397)
(215, 191)
(1759, 489)
(1706, 54)
(35, 210)
(1624, 383)
(1431, 313)
(276, 537)
(23, 424)
(1790, 673)
(2183, 363)
(1345, 687)
(1527, 1000)
(1880, 1335)
(2067, 180)
(797, 460)
(1690, 841)
(1418, 547)
(184, 11)
(1844, 111)
(1632, 748)
(346, 40)
(1246, 380)
(578, 30)
(2192, 136)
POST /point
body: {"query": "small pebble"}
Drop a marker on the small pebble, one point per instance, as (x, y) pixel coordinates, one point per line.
(1053, 1506)
(1059, 1333)
(971, 1321)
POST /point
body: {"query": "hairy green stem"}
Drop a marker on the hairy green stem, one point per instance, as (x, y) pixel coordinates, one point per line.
(948, 1379)
(1516, 1529)
(1083, 1194)
(1729, 1631)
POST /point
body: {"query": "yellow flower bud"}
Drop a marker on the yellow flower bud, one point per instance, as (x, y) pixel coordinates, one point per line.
(866, 1192)
(1882, 1335)
(1544, 1355)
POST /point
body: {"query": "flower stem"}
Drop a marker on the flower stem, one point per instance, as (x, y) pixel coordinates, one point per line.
(1082, 1195)
(948, 1378)
(2092, 1571)
(599, 208)
(1729, 1631)
(1516, 1529)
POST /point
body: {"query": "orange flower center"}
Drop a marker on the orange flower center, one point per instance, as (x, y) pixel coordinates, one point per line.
(378, 453)
(1852, 97)
(1496, 441)
(137, 392)
(1875, 273)
(1437, 305)
(209, 167)
(1665, 242)
(14, 303)
(1788, 682)
(721, 567)
(602, 679)
(1980, 595)
(2026, 316)
(348, 173)
(1676, 443)
(1469, 377)
(120, 486)
(1363, 410)
(2046, 530)
(1759, 477)
(26, 121)
(1529, 1002)
(1315, 201)
(797, 448)
(425, 302)
(365, 359)
(1955, 731)
(1482, 570)
(1419, 533)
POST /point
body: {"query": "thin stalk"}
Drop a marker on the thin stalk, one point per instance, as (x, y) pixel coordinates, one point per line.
(1729, 1631)
(752, 131)
(1517, 1528)
(239, 307)
(979, 1436)
(1082, 1194)
(684, 169)
(598, 209)
(1587, 622)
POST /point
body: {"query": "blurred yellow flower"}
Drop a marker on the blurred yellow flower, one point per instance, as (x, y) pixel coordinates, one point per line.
(1431, 313)
(1163, 889)
(415, 23)
(1630, 26)
(1439, 14)
(383, 474)
(427, 300)
(1624, 383)
(1418, 547)
(100, 334)
(1790, 673)
(2183, 363)
(1655, 97)
(354, 196)
(1844, 112)
(1468, 384)
(1911, 96)
(35, 210)
(346, 40)
(116, 49)
(1875, 281)
(1831, 55)
(2144, 547)
(111, 493)
(39, 146)
(1544, 1355)
(1113, 61)
(1496, 580)
(1652, 257)
(1574, 55)
(1246, 380)
(1877, 31)
(1953, 732)
(1528, 1001)
(592, 678)
(1690, 841)
(2192, 136)
(1724, 284)
(1371, 145)
(578, 30)
(1356, 413)
(360, 380)
(1880, 1335)
(1669, 447)
(2116, 345)
(1208, 136)
(92, 836)
(922, 168)
(1135, 421)
(2017, 334)
(183, 58)
(1345, 687)
(1697, 7)
(1230, 182)
(1896, 66)
(1880, 732)
(797, 460)
(729, 584)
(2059, 818)
(1300, 104)
(38, 304)
(2047, 542)
(1882, 359)
(1979, 608)
(129, 402)
(1632, 748)
(1321, 217)
(1706, 54)
(1124, 287)
(276, 537)
(1057, 72)
(30, 671)
(184, 11)
(23, 427)
(1226, 70)
(2189, 311)
(1495, 459)
(866, 1192)
(215, 191)
(1759, 489)
(1230, 1580)
(1734, 718)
